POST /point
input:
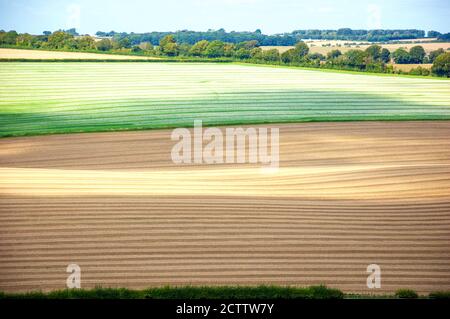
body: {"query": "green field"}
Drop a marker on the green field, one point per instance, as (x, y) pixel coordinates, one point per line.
(44, 98)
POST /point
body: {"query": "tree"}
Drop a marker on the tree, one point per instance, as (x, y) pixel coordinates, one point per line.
(287, 56)
(9, 37)
(419, 71)
(184, 49)
(417, 53)
(85, 43)
(316, 56)
(433, 34)
(242, 54)
(385, 55)
(441, 65)
(25, 40)
(333, 54)
(199, 48)
(47, 33)
(355, 58)
(444, 37)
(434, 54)
(256, 53)
(229, 49)
(249, 44)
(271, 55)
(104, 45)
(61, 40)
(168, 45)
(146, 46)
(374, 52)
(135, 49)
(401, 56)
(215, 49)
(301, 50)
(124, 43)
(71, 31)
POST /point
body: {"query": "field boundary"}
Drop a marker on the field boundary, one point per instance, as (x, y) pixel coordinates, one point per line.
(218, 292)
(329, 70)
(219, 61)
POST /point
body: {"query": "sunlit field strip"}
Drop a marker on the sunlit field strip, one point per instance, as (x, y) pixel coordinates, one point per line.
(42, 98)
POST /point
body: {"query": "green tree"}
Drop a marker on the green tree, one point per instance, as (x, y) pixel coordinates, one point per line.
(124, 43)
(104, 45)
(271, 55)
(374, 52)
(316, 56)
(287, 56)
(229, 49)
(199, 48)
(146, 46)
(355, 58)
(441, 65)
(184, 49)
(85, 43)
(25, 40)
(168, 45)
(401, 56)
(60, 40)
(249, 44)
(434, 54)
(300, 51)
(256, 54)
(333, 54)
(433, 34)
(135, 49)
(417, 54)
(385, 55)
(242, 54)
(9, 37)
(215, 49)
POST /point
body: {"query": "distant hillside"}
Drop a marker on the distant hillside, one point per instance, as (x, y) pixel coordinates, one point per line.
(191, 37)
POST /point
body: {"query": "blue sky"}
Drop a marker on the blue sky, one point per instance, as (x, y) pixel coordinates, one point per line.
(271, 16)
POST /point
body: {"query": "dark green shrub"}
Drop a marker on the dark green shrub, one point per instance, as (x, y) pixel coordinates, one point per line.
(187, 292)
(406, 293)
(439, 295)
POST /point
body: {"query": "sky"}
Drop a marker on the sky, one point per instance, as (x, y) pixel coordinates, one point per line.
(271, 16)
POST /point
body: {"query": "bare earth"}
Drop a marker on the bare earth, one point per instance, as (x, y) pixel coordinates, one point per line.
(39, 54)
(346, 195)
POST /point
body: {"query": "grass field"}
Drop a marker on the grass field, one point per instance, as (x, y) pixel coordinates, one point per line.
(43, 98)
(346, 195)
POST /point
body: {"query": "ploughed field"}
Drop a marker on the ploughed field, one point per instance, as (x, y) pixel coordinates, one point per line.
(346, 195)
(45, 97)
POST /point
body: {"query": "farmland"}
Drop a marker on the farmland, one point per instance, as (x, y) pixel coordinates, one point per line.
(44, 98)
(346, 195)
(317, 46)
(349, 192)
(57, 55)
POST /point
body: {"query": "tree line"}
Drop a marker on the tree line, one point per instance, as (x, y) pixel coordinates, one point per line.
(282, 39)
(373, 59)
